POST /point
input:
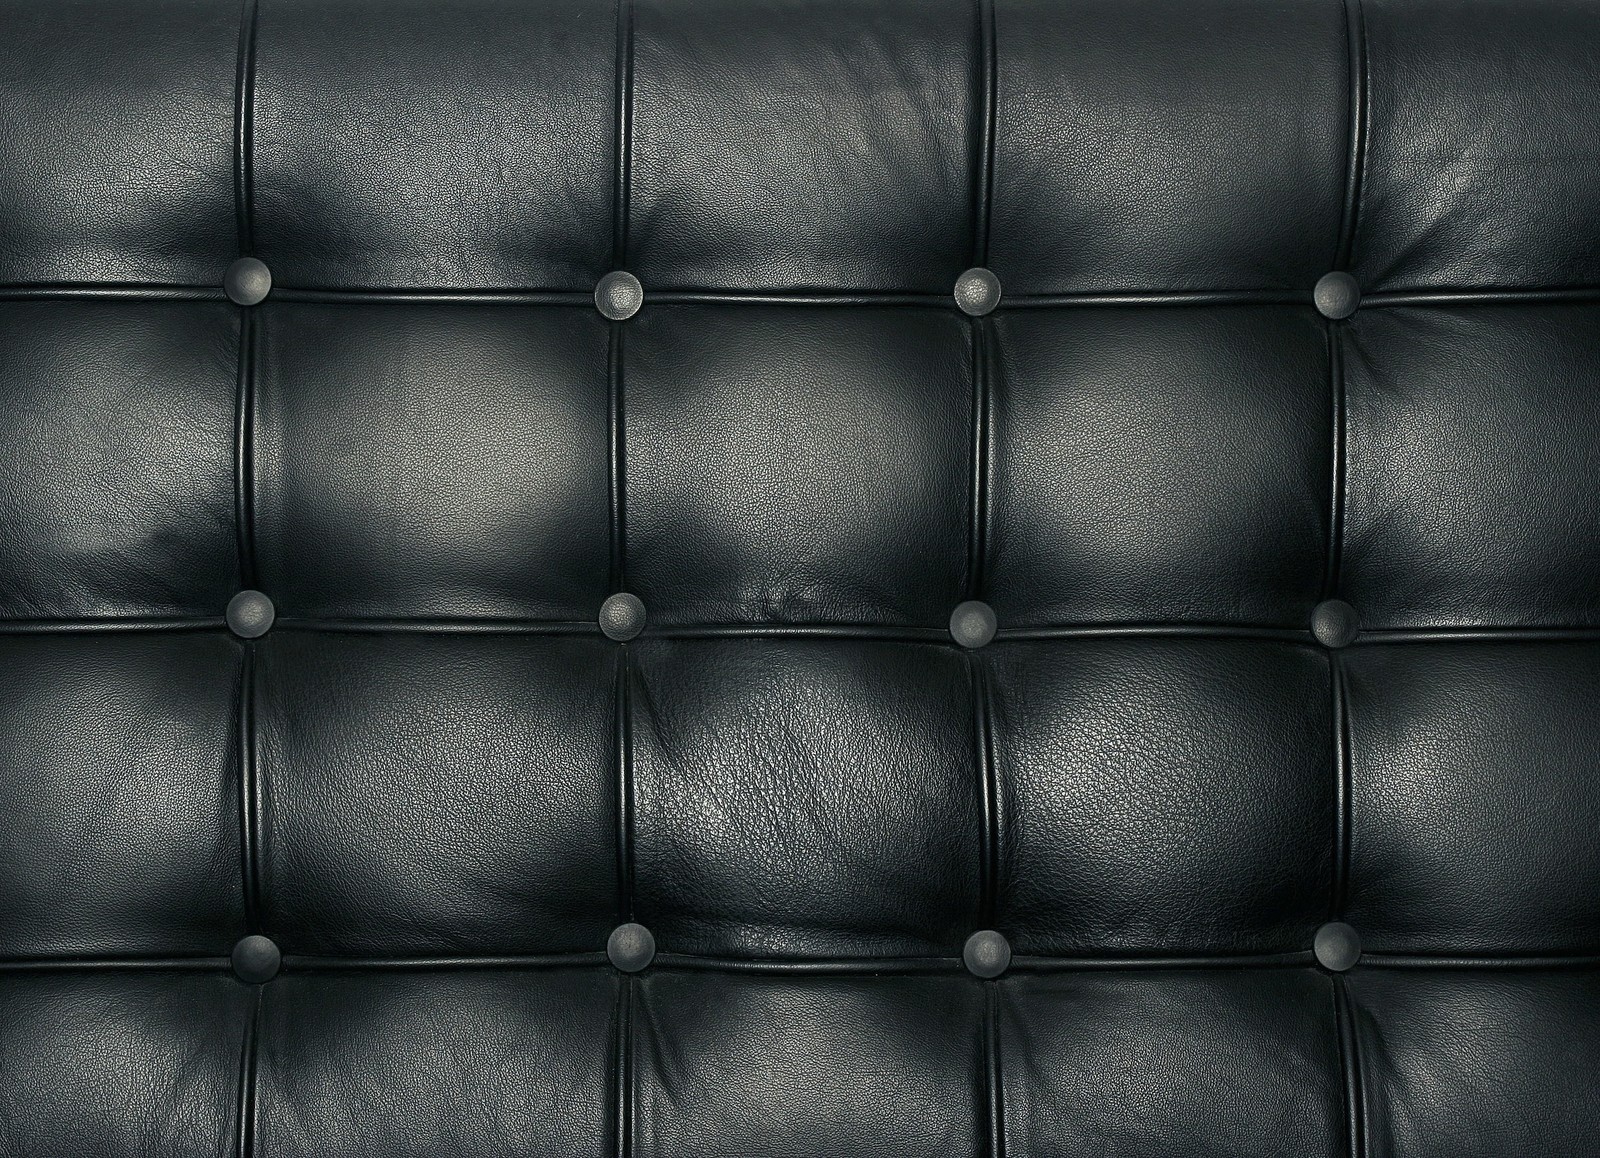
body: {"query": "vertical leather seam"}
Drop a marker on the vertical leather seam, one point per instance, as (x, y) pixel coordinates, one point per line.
(623, 1064)
(988, 801)
(249, 792)
(988, 785)
(993, 1081)
(1350, 1070)
(244, 129)
(624, 136)
(617, 451)
(983, 155)
(244, 447)
(1340, 681)
(245, 1136)
(978, 513)
(624, 748)
(623, 1061)
(1337, 497)
(1359, 111)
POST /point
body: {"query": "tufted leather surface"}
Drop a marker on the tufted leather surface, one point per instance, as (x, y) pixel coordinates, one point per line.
(1269, 749)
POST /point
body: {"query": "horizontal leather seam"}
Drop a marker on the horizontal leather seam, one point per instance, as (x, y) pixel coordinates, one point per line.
(111, 291)
(859, 631)
(900, 966)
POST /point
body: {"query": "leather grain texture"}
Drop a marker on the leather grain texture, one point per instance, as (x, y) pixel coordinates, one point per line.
(1149, 609)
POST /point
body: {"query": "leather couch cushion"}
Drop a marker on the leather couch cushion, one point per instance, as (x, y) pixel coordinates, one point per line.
(1054, 613)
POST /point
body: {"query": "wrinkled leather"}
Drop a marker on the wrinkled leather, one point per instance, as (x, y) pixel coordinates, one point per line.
(438, 786)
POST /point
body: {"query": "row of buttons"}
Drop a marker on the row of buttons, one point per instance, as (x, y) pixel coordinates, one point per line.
(619, 294)
(632, 947)
(1334, 623)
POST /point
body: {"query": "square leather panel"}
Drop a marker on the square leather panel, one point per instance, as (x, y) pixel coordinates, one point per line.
(119, 141)
(471, 812)
(1478, 170)
(119, 785)
(375, 428)
(117, 475)
(825, 178)
(1441, 1082)
(1474, 803)
(351, 1057)
(131, 1063)
(816, 501)
(766, 1067)
(510, 188)
(1167, 146)
(1157, 464)
(1237, 1063)
(1469, 503)
(1127, 765)
(804, 798)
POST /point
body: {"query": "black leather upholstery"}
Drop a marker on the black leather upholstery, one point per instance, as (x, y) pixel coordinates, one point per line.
(1089, 683)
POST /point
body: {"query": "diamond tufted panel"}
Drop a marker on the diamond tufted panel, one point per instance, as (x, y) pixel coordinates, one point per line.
(799, 578)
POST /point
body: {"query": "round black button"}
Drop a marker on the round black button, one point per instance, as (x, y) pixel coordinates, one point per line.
(1335, 623)
(631, 947)
(248, 281)
(977, 291)
(972, 624)
(250, 614)
(987, 954)
(622, 616)
(1337, 946)
(1337, 295)
(619, 295)
(256, 959)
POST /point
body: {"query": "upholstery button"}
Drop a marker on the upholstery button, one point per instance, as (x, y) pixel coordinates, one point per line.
(248, 281)
(622, 616)
(986, 954)
(1337, 946)
(972, 624)
(1337, 295)
(977, 291)
(256, 959)
(631, 947)
(250, 614)
(1335, 623)
(619, 295)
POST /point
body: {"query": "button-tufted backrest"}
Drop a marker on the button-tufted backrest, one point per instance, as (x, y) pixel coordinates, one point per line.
(799, 578)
